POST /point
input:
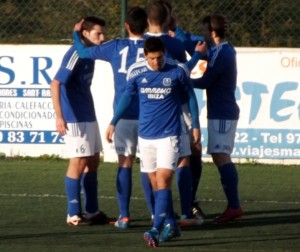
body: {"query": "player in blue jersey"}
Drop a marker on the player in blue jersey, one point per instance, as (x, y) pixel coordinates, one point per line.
(121, 53)
(157, 22)
(189, 166)
(219, 80)
(191, 46)
(76, 121)
(160, 83)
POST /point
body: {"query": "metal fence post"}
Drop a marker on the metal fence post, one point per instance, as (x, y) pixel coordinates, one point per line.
(123, 17)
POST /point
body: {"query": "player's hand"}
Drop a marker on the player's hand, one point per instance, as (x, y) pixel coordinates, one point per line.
(61, 126)
(201, 47)
(196, 135)
(78, 26)
(109, 133)
(172, 33)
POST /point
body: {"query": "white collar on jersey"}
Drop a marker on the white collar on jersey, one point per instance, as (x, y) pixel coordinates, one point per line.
(136, 38)
(155, 34)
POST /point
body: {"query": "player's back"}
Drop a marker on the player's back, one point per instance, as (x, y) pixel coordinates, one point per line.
(121, 54)
(174, 46)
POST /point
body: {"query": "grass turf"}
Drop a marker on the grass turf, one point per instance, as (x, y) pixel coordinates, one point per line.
(33, 211)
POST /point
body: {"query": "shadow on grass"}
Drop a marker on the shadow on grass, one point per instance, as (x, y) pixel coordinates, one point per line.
(250, 219)
(254, 218)
(217, 241)
(78, 232)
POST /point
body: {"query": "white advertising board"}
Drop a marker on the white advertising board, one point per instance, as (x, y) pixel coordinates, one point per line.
(268, 94)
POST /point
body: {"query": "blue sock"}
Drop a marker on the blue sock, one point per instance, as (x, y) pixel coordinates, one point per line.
(162, 203)
(124, 187)
(73, 196)
(89, 184)
(196, 168)
(229, 180)
(184, 184)
(170, 219)
(147, 187)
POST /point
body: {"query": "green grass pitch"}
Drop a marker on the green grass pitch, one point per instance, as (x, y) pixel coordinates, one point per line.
(33, 211)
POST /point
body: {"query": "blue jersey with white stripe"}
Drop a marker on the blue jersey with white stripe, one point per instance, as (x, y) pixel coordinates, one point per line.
(159, 96)
(120, 53)
(219, 80)
(75, 77)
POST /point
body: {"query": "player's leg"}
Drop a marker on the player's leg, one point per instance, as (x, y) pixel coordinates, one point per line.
(167, 153)
(124, 188)
(185, 180)
(89, 184)
(183, 171)
(73, 188)
(148, 157)
(184, 185)
(92, 146)
(125, 139)
(149, 193)
(89, 180)
(222, 133)
(77, 163)
(196, 169)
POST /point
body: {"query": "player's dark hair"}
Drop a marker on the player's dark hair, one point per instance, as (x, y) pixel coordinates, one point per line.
(166, 3)
(137, 20)
(216, 23)
(90, 21)
(153, 44)
(157, 13)
(171, 24)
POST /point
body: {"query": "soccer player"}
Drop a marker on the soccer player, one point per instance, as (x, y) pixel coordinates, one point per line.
(121, 53)
(160, 83)
(219, 80)
(76, 121)
(190, 44)
(189, 166)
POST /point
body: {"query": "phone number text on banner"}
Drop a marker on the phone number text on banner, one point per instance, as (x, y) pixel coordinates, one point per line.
(30, 137)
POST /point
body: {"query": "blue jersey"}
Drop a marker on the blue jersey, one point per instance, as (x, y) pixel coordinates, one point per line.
(159, 96)
(174, 47)
(75, 77)
(120, 53)
(219, 80)
(189, 40)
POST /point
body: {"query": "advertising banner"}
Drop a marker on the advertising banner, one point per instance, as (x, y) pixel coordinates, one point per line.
(268, 94)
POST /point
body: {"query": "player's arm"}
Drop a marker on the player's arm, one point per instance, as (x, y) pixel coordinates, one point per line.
(82, 50)
(195, 58)
(199, 53)
(189, 40)
(210, 76)
(103, 52)
(193, 106)
(124, 103)
(61, 125)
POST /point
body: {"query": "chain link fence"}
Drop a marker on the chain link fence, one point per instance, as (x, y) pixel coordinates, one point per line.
(255, 23)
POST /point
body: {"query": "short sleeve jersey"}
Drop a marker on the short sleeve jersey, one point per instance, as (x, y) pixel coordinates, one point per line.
(159, 96)
(75, 77)
(121, 54)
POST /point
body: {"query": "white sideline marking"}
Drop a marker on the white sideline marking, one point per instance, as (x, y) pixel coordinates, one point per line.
(141, 198)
